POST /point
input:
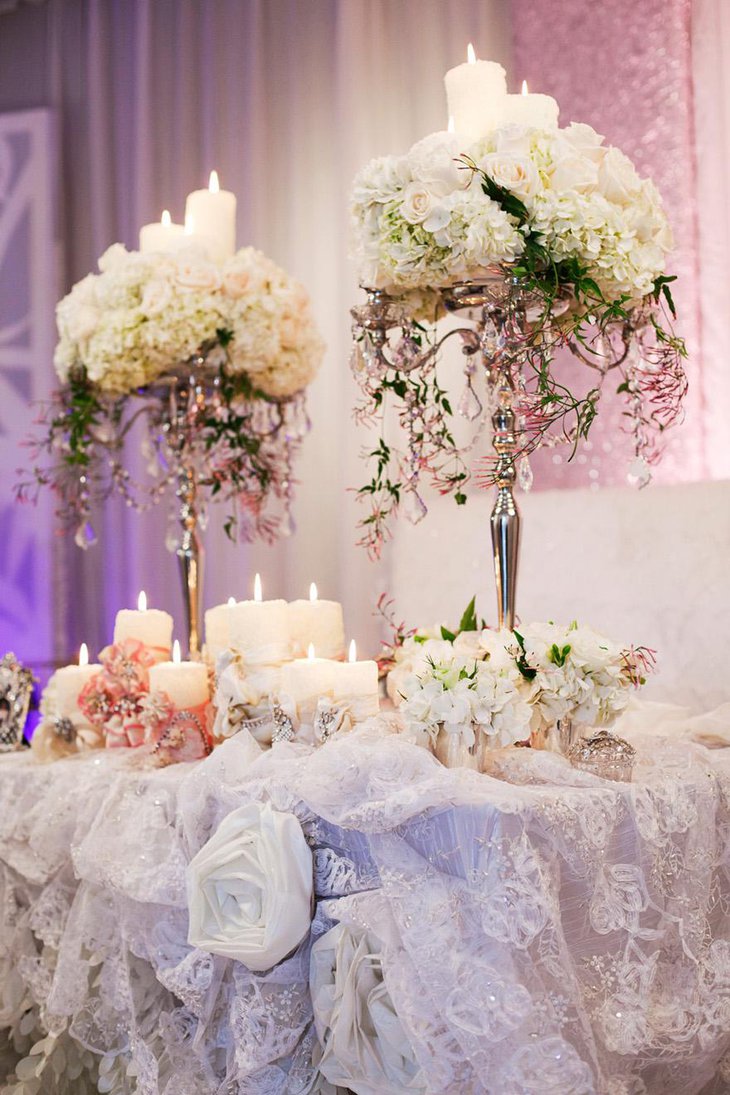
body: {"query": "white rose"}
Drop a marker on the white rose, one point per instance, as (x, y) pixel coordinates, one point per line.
(515, 173)
(192, 274)
(433, 162)
(416, 203)
(250, 887)
(364, 1044)
(114, 257)
(156, 296)
(617, 177)
(571, 172)
(585, 140)
(237, 283)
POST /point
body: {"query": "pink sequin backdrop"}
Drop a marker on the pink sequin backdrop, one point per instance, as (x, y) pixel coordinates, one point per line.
(625, 68)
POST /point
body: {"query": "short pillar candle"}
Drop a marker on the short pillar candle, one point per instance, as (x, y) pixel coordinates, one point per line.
(185, 683)
(318, 622)
(150, 626)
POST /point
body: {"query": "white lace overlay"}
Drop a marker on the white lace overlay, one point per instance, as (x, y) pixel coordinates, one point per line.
(540, 931)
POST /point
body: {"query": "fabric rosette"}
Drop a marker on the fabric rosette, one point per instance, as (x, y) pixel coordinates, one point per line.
(364, 1045)
(250, 888)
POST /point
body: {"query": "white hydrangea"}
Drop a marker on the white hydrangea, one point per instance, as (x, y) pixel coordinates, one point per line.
(458, 693)
(420, 222)
(510, 682)
(144, 313)
(579, 674)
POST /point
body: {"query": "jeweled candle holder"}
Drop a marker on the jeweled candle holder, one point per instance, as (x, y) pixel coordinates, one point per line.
(502, 315)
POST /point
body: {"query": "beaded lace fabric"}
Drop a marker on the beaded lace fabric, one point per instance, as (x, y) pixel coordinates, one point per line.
(540, 931)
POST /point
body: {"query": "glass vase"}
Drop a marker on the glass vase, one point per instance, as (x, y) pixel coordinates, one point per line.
(557, 737)
(451, 748)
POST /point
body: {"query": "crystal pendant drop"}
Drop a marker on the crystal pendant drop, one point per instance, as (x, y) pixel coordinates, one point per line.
(469, 405)
(639, 473)
(525, 477)
(414, 507)
(172, 536)
(85, 536)
(490, 339)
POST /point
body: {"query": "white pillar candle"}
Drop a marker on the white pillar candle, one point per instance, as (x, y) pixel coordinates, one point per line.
(218, 629)
(356, 683)
(259, 629)
(150, 626)
(186, 683)
(476, 93)
(537, 111)
(210, 215)
(69, 681)
(164, 236)
(305, 680)
(317, 622)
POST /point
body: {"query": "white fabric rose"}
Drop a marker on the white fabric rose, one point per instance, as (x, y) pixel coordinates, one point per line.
(250, 887)
(364, 1045)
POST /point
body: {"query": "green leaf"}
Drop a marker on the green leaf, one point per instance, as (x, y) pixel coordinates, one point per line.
(460, 498)
(468, 620)
(449, 636)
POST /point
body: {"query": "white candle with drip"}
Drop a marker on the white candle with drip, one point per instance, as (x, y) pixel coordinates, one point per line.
(164, 236)
(305, 680)
(537, 111)
(356, 683)
(186, 683)
(69, 682)
(476, 94)
(318, 622)
(259, 629)
(150, 626)
(210, 218)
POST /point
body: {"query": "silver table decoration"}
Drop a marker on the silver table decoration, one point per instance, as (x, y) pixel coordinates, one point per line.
(16, 689)
(498, 341)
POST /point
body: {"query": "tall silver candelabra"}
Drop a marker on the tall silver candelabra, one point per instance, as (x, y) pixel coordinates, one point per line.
(503, 316)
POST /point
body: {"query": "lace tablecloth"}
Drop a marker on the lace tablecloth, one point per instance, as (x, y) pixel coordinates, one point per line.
(544, 932)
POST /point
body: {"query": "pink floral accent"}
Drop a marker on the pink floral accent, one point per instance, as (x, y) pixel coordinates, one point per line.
(127, 664)
(178, 735)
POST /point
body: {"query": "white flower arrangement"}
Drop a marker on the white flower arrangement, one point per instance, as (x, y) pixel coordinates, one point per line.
(511, 683)
(145, 312)
(424, 221)
(459, 694)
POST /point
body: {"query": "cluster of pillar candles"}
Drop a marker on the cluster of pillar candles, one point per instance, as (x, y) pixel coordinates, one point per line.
(306, 638)
(478, 103)
(210, 222)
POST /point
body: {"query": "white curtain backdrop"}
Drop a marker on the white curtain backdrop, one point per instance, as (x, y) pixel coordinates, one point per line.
(286, 99)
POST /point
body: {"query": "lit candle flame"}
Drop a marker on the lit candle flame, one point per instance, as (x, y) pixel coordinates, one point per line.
(83, 654)
(231, 600)
(451, 126)
(257, 591)
(310, 652)
(524, 87)
(352, 656)
(471, 55)
(176, 652)
(189, 224)
(165, 219)
(313, 591)
(213, 183)
(142, 601)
